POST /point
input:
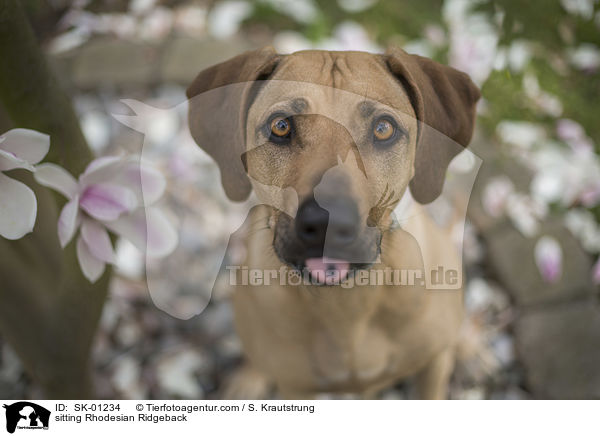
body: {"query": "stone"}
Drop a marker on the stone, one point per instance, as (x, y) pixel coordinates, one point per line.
(511, 256)
(184, 58)
(560, 349)
(114, 62)
(176, 373)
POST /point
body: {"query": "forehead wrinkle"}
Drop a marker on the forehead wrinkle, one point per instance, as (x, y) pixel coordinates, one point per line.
(342, 70)
(314, 68)
(366, 109)
(299, 105)
(339, 72)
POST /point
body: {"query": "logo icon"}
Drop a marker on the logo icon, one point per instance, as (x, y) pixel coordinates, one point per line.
(26, 415)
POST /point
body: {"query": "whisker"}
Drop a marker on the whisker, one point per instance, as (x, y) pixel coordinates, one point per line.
(384, 193)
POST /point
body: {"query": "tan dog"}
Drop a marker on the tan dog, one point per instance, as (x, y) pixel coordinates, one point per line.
(331, 141)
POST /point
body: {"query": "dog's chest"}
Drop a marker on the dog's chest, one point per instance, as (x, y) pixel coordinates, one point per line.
(348, 345)
(339, 358)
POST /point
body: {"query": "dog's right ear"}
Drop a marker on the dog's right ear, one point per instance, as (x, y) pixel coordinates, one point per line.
(219, 98)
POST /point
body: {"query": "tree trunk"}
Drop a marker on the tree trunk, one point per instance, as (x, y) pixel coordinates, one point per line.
(48, 311)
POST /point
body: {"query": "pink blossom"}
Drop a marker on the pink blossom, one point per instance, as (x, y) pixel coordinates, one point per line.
(116, 194)
(596, 273)
(496, 194)
(573, 134)
(548, 258)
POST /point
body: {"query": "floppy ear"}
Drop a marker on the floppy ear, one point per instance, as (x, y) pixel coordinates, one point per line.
(218, 104)
(444, 100)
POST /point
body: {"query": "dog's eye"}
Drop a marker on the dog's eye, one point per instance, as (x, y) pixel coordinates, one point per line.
(383, 129)
(280, 127)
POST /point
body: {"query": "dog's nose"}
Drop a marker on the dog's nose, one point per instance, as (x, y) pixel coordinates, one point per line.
(338, 225)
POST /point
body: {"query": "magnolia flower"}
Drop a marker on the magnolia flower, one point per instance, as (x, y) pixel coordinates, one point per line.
(349, 35)
(19, 148)
(435, 34)
(114, 194)
(156, 24)
(495, 195)
(548, 258)
(596, 273)
(573, 134)
(585, 58)
(524, 212)
(354, 6)
(225, 18)
(191, 20)
(522, 134)
(542, 100)
(583, 8)
(473, 41)
(301, 11)
(583, 224)
(289, 42)
(565, 176)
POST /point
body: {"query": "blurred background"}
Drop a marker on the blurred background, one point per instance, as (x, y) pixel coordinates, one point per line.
(532, 237)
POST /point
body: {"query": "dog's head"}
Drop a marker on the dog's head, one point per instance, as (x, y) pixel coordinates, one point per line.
(349, 132)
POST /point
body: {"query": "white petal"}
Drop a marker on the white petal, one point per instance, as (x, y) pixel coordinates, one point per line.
(103, 169)
(101, 162)
(146, 182)
(26, 144)
(149, 230)
(68, 222)
(57, 178)
(496, 194)
(131, 227)
(596, 273)
(9, 161)
(97, 240)
(91, 267)
(150, 181)
(548, 257)
(106, 202)
(18, 208)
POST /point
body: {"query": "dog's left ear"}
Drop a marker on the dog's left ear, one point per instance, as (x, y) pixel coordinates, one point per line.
(444, 100)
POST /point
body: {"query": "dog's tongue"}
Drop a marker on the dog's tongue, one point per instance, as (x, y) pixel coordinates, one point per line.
(326, 270)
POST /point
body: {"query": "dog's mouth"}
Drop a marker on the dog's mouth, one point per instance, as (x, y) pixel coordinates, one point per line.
(326, 271)
(323, 256)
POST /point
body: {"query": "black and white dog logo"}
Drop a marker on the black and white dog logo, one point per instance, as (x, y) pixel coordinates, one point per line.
(26, 415)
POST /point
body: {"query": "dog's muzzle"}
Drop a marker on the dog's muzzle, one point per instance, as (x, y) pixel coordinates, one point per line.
(334, 229)
(329, 242)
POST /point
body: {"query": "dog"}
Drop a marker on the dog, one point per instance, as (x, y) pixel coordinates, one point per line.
(331, 142)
